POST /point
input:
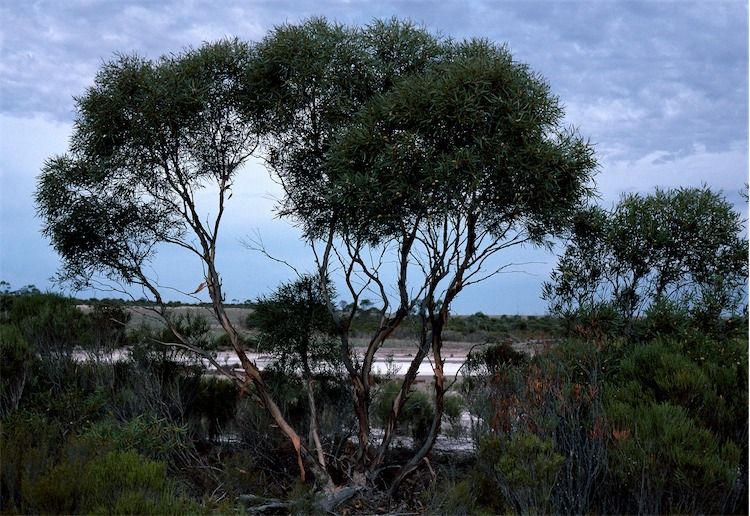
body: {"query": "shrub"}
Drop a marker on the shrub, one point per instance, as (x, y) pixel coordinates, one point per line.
(45, 472)
(106, 327)
(495, 357)
(50, 323)
(416, 415)
(214, 405)
(116, 482)
(524, 468)
(453, 497)
(151, 437)
(16, 358)
(683, 421)
(668, 464)
(123, 482)
(697, 373)
(29, 443)
(452, 411)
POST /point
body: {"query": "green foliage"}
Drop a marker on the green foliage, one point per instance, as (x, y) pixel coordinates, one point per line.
(240, 475)
(106, 483)
(667, 463)
(670, 251)
(222, 342)
(16, 361)
(475, 134)
(28, 445)
(552, 398)
(148, 436)
(453, 407)
(492, 378)
(150, 346)
(458, 498)
(147, 135)
(416, 415)
(302, 500)
(50, 323)
(482, 328)
(295, 325)
(495, 357)
(316, 77)
(106, 327)
(700, 375)
(103, 467)
(524, 468)
(215, 404)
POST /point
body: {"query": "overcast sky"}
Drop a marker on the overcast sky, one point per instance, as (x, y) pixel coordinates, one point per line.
(660, 88)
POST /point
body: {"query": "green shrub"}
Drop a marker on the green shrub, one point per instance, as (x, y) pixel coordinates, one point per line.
(50, 323)
(29, 445)
(453, 497)
(111, 483)
(16, 359)
(43, 472)
(668, 464)
(495, 357)
(214, 405)
(698, 374)
(240, 474)
(150, 345)
(151, 437)
(127, 483)
(452, 411)
(106, 327)
(222, 342)
(524, 469)
(416, 415)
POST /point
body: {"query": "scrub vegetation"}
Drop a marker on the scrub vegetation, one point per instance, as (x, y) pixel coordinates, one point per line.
(410, 163)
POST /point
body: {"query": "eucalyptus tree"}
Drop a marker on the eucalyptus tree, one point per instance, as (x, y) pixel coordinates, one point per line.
(407, 161)
(453, 166)
(682, 247)
(396, 148)
(152, 141)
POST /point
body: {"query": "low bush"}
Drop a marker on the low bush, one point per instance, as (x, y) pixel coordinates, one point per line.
(524, 468)
(114, 482)
(417, 413)
(453, 409)
(213, 406)
(16, 362)
(97, 471)
(453, 496)
(666, 463)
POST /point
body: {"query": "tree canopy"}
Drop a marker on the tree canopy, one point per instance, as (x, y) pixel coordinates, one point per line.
(684, 247)
(477, 136)
(148, 136)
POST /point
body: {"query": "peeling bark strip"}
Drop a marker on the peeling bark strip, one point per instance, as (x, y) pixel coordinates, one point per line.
(297, 447)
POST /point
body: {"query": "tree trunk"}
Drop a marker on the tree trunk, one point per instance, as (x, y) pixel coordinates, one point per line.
(315, 429)
(400, 400)
(439, 390)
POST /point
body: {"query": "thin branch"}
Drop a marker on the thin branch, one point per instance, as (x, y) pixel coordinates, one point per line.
(466, 361)
(256, 244)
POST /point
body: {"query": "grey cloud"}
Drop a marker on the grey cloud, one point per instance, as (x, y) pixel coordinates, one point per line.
(683, 64)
